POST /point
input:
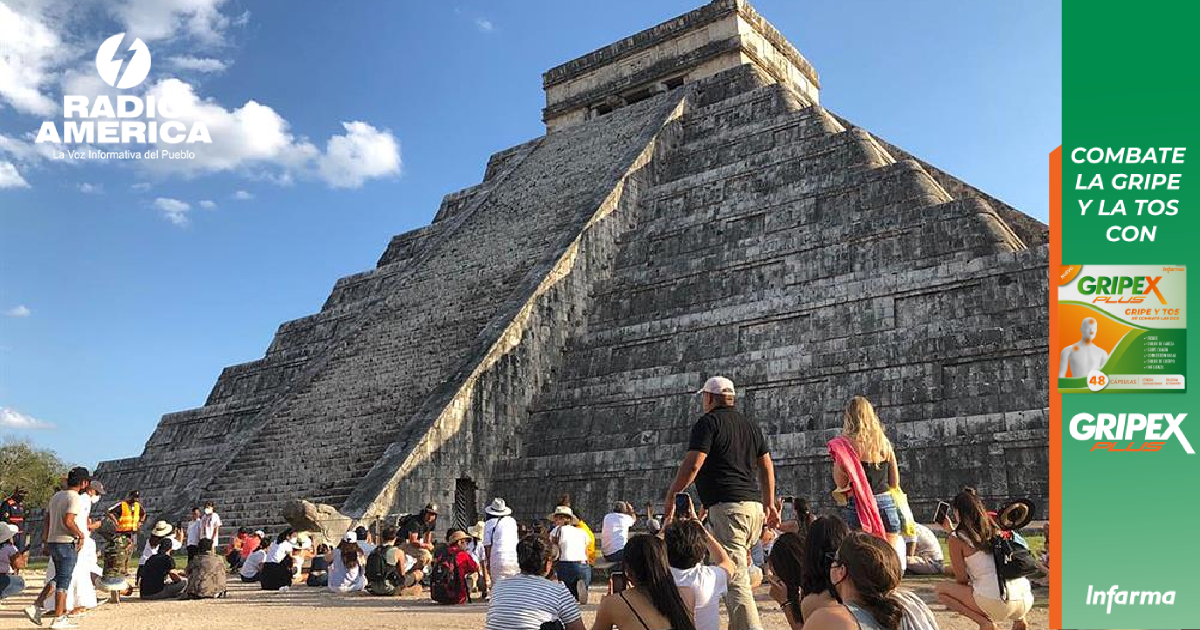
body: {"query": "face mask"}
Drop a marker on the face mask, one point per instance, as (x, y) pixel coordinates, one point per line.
(292, 541)
(95, 499)
(208, 510)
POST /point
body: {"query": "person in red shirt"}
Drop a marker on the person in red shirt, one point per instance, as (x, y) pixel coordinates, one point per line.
(448, 581)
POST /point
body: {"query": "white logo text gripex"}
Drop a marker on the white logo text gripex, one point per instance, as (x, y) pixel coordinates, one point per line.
(1116, 429)
(1127, 598)
(132, 119)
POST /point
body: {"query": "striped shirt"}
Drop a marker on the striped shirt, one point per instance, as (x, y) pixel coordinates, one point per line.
(525, 602)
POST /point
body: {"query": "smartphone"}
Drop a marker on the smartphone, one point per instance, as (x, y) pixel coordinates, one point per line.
(789, 509)
(619, 583)
(942, 513)
(683, 505)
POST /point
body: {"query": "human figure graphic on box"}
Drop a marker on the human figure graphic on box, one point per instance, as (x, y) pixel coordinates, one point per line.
(1083, 356)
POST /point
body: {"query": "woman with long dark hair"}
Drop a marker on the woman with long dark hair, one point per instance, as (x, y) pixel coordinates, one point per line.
(865, 573)
(787, 566)
(824, 537)
(652, 601)
(346, 573)
(276, 570)
(975, 592)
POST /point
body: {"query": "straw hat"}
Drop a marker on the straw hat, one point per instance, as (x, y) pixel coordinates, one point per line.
(497, 508)
(458, 536)
(476, 530)
(1015, 514)
(563, 510)
(161, 528)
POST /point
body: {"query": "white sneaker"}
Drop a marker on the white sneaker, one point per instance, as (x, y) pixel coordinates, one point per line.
(34, 613)
(62, 622)
(283, 589)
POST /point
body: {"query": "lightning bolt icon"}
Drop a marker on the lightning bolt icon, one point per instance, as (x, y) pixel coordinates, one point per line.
(123, 56)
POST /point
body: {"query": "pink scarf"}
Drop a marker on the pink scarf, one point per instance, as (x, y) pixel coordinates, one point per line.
(842, 451)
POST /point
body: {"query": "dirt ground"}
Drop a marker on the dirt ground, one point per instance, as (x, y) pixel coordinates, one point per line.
(303, 607)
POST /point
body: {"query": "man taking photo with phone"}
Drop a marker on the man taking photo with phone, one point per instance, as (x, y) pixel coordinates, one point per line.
(728, 460)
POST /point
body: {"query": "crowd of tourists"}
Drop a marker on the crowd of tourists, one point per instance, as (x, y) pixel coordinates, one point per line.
(666, 571)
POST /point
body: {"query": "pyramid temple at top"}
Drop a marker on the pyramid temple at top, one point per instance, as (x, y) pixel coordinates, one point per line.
(691, 210)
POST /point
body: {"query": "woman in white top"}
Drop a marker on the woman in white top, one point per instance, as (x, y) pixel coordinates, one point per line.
(276, 572)
(975, 593)
(346, 571)
(572, 567)
(500, 538)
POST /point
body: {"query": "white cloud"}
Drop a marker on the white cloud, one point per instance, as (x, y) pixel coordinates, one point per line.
(242, 195)
(154, 20)
(91, 188)
(197, 64)
(12, 419)
(29, 52)
(173, 210)
(19, 310)
(10, 178)
(208, 204)
(484, 25)
(364, 152)
(140, 186)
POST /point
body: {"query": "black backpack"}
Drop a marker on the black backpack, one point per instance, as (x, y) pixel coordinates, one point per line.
(446, 586)
(1012, 560)
(378, 569)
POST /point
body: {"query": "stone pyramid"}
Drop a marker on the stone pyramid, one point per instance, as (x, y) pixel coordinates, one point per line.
(692, 210)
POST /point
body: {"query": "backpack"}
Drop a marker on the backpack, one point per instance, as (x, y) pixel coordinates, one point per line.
(446, 585)
(378, 569)
(1013, 561)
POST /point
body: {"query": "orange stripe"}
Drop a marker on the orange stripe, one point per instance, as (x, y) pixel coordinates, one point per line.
(1055, 398)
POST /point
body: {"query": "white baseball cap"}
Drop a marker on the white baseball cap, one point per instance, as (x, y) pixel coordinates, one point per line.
(718, 385)
(350, 537)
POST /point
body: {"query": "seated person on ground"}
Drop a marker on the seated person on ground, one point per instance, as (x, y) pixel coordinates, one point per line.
(233, 550)
(527, 600)
(205, 573)
(453, 572)
(824, 537)
(687, 542)
(786, 564)
(924, 552)
(12, 560)
(159, 578)
(865, 572)
(253, 565)
(385, 565)
(276, 572)
(652, 601)
(318, 572)
(346, 573)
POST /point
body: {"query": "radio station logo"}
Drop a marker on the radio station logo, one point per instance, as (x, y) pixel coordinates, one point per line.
(130, 119)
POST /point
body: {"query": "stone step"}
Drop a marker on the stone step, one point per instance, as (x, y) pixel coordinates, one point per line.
(791, 132)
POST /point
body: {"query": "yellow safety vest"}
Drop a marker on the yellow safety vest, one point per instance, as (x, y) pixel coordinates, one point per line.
(131, 515)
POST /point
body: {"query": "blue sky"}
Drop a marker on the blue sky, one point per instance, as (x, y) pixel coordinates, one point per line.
(125, 288)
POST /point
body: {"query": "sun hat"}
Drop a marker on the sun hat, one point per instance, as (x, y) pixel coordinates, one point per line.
(97, 486)
(498, 508)
(7, 531)
(161, 528)
(563, 510)
(260, 533)
(1015, 514)
(430, 508)
(458, 536)
(476, 530)
(718, 385)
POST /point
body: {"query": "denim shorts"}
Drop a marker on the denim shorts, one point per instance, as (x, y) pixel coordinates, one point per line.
(64, 556)
(887, 512)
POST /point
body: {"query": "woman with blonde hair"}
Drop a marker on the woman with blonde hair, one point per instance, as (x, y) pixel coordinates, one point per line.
(864, 473)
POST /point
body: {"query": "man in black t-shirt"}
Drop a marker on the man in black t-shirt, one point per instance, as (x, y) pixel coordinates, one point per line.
(159, 578)
(416, 531)
(728, 459)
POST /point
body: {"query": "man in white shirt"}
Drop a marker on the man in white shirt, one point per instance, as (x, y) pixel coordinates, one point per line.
(615, 531)
(195, 531)
(500, 542)
(572, 567)
(687, 541)
(210, 523)
(924, 552)
(364, 540)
